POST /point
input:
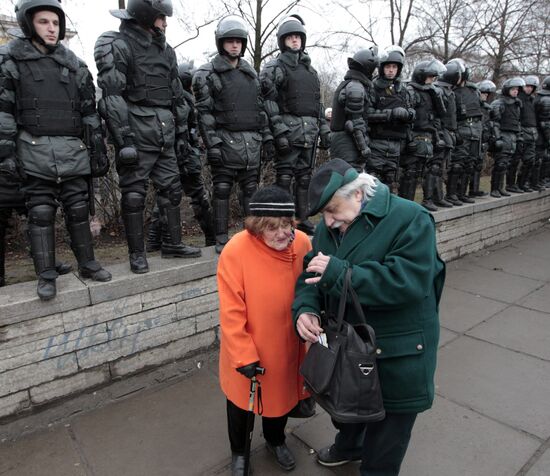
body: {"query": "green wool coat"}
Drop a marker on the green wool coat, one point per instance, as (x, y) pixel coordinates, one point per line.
(398, 276)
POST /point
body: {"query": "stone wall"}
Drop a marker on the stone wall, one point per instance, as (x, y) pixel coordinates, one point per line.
(94, 334)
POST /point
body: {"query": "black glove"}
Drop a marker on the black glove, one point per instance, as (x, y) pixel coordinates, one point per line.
(324, 141)
(8, 167)
(182, 148)
(128, 156)
(282, 144)
(249, 370)
(99, 161)
(400, 114)
(214, 156)
(269, 151)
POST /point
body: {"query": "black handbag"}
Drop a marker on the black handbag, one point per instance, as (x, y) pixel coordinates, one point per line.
(343, 377)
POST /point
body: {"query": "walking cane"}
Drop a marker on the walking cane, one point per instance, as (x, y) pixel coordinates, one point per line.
(250, 417)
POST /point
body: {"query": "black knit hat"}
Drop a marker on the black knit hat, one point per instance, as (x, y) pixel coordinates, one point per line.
(271, 201)
(326, 181)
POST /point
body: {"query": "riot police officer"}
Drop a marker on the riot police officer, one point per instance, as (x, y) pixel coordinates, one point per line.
(390, 117)
(506, 115)
(351, 102)
(487, 90)
(145, 111)
(48, 107)
(292, 98)
(190, 167)
(427, 101)
(541, 171)
(525, 154)
(232, 121)
(466, 159)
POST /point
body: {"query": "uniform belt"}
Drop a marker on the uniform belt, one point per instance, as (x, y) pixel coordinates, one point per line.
(423, 138)
(470, 120)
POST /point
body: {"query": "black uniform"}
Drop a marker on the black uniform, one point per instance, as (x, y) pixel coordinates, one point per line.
(390, 118)
(526, 149)
(541, 171)
(48, 106)
(467, 159)
(233, 125)
(145, 111)
(292, 97)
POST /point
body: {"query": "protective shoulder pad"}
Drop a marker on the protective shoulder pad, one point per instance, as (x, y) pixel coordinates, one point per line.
(104, 43)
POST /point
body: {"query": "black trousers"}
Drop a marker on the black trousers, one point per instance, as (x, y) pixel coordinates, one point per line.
(273, 428)
(381, 445)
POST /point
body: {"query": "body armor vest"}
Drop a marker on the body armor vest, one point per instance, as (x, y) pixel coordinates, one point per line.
(48, 102)
(302, 94)
(236, 107)
(542, 102)
(389, 98)
(149, 76)
(468, 102)
(510, 117)
(528, 116)
(449, 121)
(338, 112)
(425, 112)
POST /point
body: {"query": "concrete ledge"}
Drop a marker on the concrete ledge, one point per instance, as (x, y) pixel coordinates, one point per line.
(95, 334)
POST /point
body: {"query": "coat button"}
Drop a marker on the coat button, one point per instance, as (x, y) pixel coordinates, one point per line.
(33, 142)
(378, 351)
(419, 347)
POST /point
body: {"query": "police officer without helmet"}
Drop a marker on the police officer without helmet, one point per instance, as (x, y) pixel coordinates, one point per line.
(292, 96)
(48, 107)
(390, 246)
(232, 121)
(145, 111)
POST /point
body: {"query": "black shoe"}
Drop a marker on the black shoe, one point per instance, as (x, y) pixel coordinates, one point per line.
(453, 199)
(138, 263)
(504, 193)
(46, 289)
(526, 189)
(327, 457)
(478, 193)
(285, 459)
(179, 251)
(466, 199)
(495, 194)
(237, 465)
(513, 189)
(63, 268)
(95, 273)
(307, 227)
(429, 205)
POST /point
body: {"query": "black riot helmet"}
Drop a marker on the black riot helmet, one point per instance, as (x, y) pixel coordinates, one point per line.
(145, 12)
(292, 24)
(393, 54)
(231, 26)
(185, 72)
(512, 83)
(453, 73)
(25, 9)
(546, 83)
(465, 69)
(365, 61)
(487, 86)
(426, 68)
(532, 81)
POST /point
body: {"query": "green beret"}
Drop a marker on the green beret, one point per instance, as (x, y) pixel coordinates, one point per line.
(326, 181)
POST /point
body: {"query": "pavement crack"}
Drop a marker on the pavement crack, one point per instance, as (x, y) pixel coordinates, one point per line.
(81, 453)
(537, 455)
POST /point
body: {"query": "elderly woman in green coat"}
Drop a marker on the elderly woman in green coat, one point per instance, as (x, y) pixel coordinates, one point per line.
(389, 243)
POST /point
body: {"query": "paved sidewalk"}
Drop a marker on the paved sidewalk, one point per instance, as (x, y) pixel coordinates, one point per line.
(491, 415)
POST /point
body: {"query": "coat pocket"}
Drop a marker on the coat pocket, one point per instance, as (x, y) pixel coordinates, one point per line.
(145, 126)
(402, 366)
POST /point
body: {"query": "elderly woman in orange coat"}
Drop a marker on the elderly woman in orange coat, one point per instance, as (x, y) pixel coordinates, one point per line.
(257, 271)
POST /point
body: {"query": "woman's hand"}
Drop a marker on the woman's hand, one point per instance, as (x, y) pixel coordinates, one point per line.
(308, 327)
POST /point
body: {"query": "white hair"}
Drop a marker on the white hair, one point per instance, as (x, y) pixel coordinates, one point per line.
(365, 183)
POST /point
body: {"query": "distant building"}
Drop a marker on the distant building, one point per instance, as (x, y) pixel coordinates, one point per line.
(9, 26)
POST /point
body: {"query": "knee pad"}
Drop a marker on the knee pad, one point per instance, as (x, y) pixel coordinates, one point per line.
(457, 169)
(284, 181)
(303, 181)
(77, 212)
(435, 169)
(42, 215)
(249, 188)
(171, 197)
(133, 202)
(222, 190)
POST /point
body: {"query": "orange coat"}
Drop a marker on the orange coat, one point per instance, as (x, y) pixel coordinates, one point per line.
(256, 290)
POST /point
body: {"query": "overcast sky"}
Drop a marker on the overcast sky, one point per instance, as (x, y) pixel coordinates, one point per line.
(90, 18)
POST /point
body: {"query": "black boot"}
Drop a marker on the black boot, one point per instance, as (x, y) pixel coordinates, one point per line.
(501, 177)
(2, 255)
(452, 185)
(220, 207)
(461, 190)
(407, 187)
(475, 190)
(172, 247)
(42, 239)
(133, 224)
(154, 234)
(495, 193)
(523, 177)
(301, 212)
(205, 218)
(534, 179)
(82, 246)
(439, 196)
(428, 188)
(511, 185)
